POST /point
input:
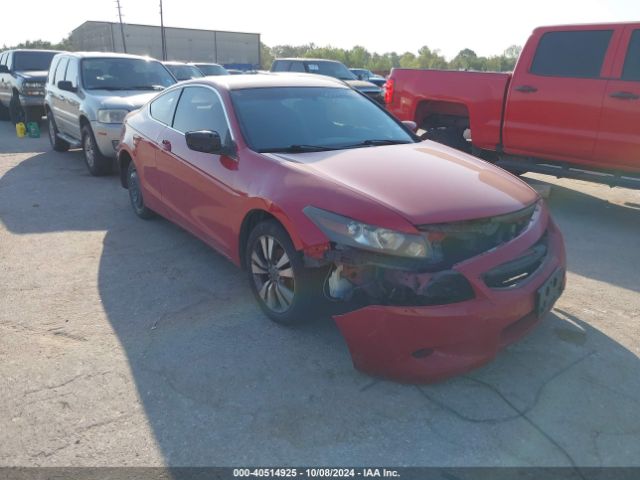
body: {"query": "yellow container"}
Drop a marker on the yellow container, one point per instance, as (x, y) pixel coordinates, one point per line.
(21, 129)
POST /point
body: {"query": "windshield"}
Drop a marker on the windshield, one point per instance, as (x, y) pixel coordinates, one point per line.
(184, 72)
(32, 61)
(330, 69)
(124, 74)
(313, 118)
(212, 69)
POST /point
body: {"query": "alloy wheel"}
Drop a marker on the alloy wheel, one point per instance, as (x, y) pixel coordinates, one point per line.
(89, 151)
(272, 274)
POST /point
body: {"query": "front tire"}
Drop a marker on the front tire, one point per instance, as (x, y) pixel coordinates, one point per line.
(97, 163)
(450, 136)
(135, 194)
(57, 143)
(16, 112)
(287, 292)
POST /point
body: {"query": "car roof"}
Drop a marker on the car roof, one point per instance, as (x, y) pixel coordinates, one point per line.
(307, 60)
(176, 62)
(15, 50)
(106, 55)
(268, 80)
(205, 63)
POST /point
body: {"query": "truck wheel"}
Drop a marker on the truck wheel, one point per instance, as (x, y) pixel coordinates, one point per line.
(16, 112)
(449, 136)
(287, 292)
(57, 143)
(97, 163)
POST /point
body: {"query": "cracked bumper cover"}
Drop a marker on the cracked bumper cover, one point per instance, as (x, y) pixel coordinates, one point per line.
(429, 343)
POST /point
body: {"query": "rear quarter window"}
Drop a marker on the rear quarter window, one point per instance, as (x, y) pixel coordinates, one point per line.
(577, 54)
(162, 108)
(631, 70)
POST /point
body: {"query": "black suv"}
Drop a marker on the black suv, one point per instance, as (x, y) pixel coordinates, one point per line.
(23, 74)
(330, 68)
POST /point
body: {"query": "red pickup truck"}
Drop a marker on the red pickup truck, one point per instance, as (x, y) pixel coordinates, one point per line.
(571, 108)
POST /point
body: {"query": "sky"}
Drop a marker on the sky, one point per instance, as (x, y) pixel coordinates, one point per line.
(486, 26)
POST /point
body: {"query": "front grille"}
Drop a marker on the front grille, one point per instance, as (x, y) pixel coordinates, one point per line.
(513, 273)
(458, 241)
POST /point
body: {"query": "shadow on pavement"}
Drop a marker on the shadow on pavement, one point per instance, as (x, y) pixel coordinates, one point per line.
(221, 385)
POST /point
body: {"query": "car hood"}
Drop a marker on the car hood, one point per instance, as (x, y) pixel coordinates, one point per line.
(424, 182)
(362, 85)
(125, 99)
(34, 76)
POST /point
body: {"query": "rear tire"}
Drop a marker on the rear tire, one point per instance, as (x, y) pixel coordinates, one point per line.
(4, 112)
(135, 194)
(98, 164)
(287, 292)
(57, 143)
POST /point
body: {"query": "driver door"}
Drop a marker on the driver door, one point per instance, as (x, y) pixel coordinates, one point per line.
(198, 188)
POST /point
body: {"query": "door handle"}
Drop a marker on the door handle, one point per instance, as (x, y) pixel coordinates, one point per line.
(166, 145)
(526, 89)
(625, 96)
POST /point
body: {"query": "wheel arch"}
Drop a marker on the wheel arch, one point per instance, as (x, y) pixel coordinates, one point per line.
(259, 214)
(431, 113)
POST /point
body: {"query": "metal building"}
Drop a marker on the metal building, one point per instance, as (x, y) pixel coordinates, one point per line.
(183, 44)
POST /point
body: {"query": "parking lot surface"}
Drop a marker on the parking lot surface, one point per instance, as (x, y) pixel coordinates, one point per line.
(125, 342)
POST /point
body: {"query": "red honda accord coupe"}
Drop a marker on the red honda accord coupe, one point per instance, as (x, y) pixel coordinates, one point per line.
(428, 259)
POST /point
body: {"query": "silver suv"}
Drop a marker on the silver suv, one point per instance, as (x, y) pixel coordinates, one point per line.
(89, 94)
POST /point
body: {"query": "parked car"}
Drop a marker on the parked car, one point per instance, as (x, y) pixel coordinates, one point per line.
(210, 69)
(23, 74)
(569, 109)
(369, 76)
(432, 259)
(89, 94)
(183, 71)
(330, 68)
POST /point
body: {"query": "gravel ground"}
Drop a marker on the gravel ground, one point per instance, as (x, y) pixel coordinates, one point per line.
(124, 342)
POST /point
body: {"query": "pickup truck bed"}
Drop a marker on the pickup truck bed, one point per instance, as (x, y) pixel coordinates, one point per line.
(571, 107)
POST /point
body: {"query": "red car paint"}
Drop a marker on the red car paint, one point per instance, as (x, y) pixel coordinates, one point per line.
(582, 121)
(396, 187)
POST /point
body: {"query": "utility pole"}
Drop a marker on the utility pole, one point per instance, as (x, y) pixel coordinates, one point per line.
(163, 38)
(124, 44)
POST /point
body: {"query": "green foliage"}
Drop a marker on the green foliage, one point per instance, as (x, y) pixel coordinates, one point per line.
(64, 44)
(360, 57)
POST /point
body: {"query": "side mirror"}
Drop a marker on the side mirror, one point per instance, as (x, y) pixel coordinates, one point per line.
(66, 85)
(411, 125)
(4, 69)
(205, 141)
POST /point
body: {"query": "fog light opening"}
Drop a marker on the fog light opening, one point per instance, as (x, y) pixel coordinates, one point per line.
(422, 353)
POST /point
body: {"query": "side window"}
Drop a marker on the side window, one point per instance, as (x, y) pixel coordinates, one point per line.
(3, 57)
(297, 67)
(631, 70)
(72, 72)
(62, 66)
(52, 70)
(200, 108)
(163, 107)
(8, 61)
(576, 54)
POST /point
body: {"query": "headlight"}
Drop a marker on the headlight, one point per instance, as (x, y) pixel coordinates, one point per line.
(346, 231)
(112, 116)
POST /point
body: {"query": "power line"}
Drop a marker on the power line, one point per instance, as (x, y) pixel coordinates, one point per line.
(124, 44)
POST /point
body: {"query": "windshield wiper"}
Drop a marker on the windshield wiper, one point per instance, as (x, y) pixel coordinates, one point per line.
(297, 149)
(376, 143)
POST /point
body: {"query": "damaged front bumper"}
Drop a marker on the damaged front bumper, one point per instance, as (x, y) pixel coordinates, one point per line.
(401, 339)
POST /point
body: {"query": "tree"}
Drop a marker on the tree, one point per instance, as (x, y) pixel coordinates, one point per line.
(466, 59)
